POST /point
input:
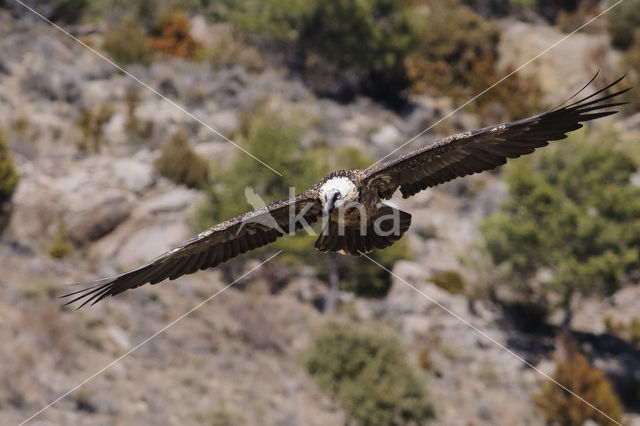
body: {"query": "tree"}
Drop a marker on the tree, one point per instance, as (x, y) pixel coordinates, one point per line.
(341, 47)
(572, 211)
(574, 372)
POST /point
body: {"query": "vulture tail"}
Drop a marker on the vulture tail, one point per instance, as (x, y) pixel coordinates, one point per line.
(388, 227)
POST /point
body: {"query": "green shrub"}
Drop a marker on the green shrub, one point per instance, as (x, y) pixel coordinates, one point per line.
(574, 372)
(8, 176)
(143, 129)
(369, 38)
(61, 246)
(280, 20)
(369, 374)
(449, 280)
(572, 210)
(356, 43)
(128, 43)
(145, 13)
(91, 122)
(624, 23)
(180, 163)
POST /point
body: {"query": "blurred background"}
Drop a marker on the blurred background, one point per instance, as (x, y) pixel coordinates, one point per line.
(99, 174)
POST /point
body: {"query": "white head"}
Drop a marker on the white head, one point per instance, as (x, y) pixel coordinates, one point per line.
(336, 192)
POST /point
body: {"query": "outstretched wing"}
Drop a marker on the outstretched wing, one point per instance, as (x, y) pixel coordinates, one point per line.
(476, 151)
(211, 247)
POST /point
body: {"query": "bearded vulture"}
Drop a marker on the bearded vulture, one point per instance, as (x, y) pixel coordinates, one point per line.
(349, 201)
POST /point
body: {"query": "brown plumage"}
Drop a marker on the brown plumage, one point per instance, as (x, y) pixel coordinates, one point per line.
(455, 156)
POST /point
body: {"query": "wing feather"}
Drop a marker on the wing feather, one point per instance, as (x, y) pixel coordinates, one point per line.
(209, 248)
(484, 149)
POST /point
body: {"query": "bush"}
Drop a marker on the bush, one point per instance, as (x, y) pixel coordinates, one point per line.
(61, 246)
(172, 36)
(145, 13)
(91, 123)
(8, 176)
(457, 56)
(571, 210)
(369, 38)
(574, 372)
(455, 38)
(449, 280)
(624, 23)
(342, 47)
(128, 43)
(142, 129)
(180, 163)
(369, 374)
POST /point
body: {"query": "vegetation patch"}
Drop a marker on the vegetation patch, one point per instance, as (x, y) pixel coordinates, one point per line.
(341, 47)
(8, 175)
(91, 122)
(449, 280)
(630, 65)
(369, 374)
(61, 246)
(574, 372)
(172, 36)
(457, 56)
(624, 23)
(571, 215)
(181, 164)
(128, 43)
(627, 330)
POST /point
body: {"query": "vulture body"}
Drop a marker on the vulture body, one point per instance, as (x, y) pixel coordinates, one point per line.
(350, 202)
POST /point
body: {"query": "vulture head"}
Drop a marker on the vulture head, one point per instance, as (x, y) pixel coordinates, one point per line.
(336, 192)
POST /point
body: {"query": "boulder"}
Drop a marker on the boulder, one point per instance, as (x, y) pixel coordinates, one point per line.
(562, 70)
(98, 217)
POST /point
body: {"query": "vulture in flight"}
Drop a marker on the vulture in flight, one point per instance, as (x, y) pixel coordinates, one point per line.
(355, 219)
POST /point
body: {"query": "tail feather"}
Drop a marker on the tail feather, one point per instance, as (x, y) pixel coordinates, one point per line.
(388, 227)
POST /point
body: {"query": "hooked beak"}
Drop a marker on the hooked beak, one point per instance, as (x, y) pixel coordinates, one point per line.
(330, 198)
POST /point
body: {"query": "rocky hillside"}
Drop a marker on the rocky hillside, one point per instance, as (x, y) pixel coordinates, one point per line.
(84, 138)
